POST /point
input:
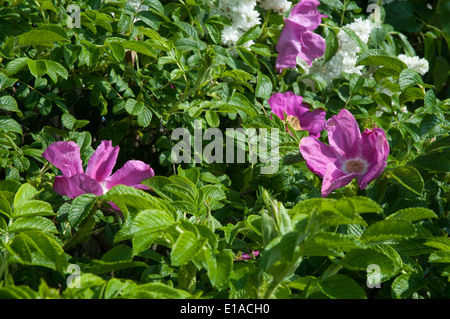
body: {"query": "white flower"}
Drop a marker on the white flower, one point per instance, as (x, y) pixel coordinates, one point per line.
(415, 63)
(230, 35)
(347, 53)
(242, 14)
(280, 6)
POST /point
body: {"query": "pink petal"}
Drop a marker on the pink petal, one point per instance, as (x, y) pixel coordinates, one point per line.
(288, 103)
(305, 13)
(375, 150)
(76, 185)
(65, 156)
(314, 122)
(344, 136)
(313, 46)
(252, 254)
(295, 42)
(289, 45)
(101, 163)
(132, 173)
(317, 155)
(334, 178)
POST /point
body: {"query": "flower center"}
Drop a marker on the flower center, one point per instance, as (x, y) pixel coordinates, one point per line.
(294, 122)
(355, 166)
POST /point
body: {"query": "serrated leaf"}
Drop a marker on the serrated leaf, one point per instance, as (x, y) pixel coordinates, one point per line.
(42, 250)
(406, 284)
(387, 230)
(134, 107)
(381, 58)
(80, 208)
(33, 208)
(185, 248)
(218, 266)
(412, 214)
(212, 118)
(263, 86)
(8, 103)
(408, 78)
(100, 266)
(411, 94)
(155, 291)
(409, 178)
(365, 259)
(332, 44)
(23, 194)
(37, 67)
(41, 37)
(341, 287)
(140, 47)
(39, 223)
(151, 221)
(441, 256)
(251, 34)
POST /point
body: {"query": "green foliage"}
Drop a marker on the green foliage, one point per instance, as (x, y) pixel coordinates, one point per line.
(133, 77)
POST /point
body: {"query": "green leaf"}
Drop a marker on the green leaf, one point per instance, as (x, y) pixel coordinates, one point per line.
(42, 36)
(364, 259)
(57, 68)
(411, 94)
(23, 194)
(219, 266)
(155, 291)
(386, 230)
(142, 47)
(364, 205)
(249, 58)
(409, 78)
(409, 178)
(37, 67)
(185, 248)
(80, 208)
(8, 103)
(212, 118)
(33, 208)
(381, 58)
(332, 44)
(251, 34)
(441, 256)
(406, 284)
(412, 214)
(134, 107)
(100, 266)
(16, 65)
(341, 287)
(18, 292)
(263, 86)
(151, 221)
(38, 248)
(33, 223)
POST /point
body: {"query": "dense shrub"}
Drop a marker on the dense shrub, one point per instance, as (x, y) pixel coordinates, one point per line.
(138, 74)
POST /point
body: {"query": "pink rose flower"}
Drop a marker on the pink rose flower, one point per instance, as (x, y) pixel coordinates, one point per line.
(98, 178)
(349, 154)
(298, 113)
(297, 39)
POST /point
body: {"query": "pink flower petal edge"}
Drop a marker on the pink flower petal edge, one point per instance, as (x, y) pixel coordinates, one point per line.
(98, 178)
(349, 154)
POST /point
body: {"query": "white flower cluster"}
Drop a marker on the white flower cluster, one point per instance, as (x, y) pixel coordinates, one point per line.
(280, 6)
(415, 63)
(243, 15)
(347, 53)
